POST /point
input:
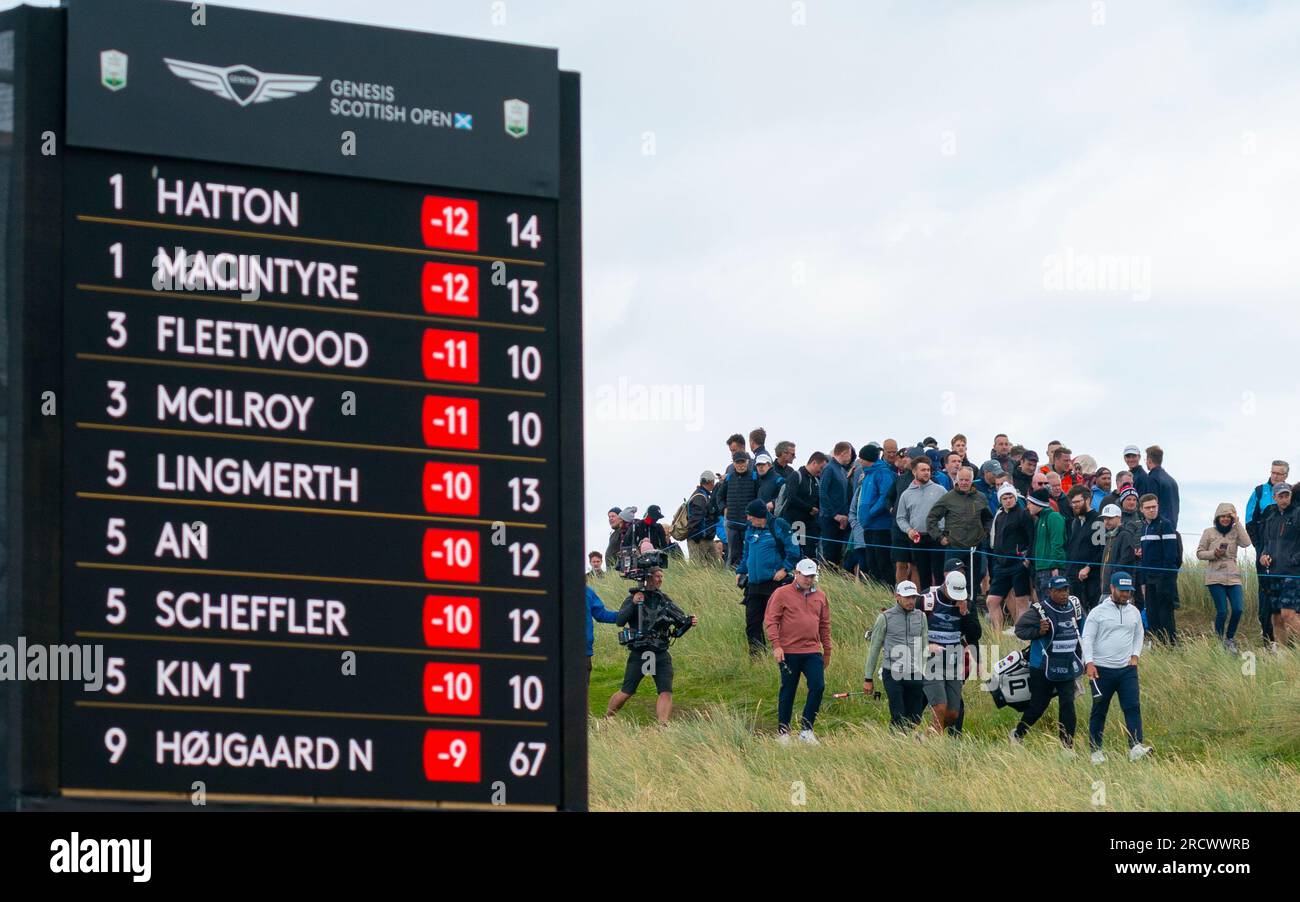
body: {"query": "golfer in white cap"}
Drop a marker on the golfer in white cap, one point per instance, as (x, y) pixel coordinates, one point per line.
(798, 624)
(900, 634)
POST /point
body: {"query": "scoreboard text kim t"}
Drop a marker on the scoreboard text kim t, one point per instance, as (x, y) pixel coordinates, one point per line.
(307, 298)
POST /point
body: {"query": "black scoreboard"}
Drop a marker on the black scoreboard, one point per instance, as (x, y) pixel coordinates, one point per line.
(306, 299)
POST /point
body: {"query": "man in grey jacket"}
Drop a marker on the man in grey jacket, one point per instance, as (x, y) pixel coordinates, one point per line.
(901, 634)
(911, 515)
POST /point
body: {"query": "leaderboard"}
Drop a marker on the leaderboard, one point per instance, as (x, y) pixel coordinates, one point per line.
(314, 456)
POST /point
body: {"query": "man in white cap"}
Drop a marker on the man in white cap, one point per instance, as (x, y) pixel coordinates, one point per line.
(1123, 539)
(1011, 539)
(1133, 460)
(945, 606)
(900, 634)
(798, 624)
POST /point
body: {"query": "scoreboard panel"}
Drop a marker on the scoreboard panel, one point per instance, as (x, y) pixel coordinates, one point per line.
(320, 440)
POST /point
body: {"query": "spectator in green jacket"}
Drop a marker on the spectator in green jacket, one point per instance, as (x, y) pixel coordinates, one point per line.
(1049, 541)
(959, 520)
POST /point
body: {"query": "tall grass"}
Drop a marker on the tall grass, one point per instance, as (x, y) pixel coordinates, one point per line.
(1226, 728)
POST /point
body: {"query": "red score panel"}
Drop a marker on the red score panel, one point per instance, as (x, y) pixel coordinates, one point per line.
(451, 621)
(449, 222)
(450, 422)
(451, 489)
(451, 555)
(451, 689)
(451, 756)
(450, 356)
(450, 290)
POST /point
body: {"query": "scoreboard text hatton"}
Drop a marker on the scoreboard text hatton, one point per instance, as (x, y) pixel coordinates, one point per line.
(306, 298)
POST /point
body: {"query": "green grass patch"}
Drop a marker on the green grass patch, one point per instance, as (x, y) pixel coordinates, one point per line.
(1226, 728)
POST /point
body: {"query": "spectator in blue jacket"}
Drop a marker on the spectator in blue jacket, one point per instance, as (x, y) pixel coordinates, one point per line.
(768, 557)
(873, 514)
(1161, 557)
(596, 610)
(990, 474)
(833, 516)
(1262, 497)
(1162, 485)
(1101, 485)
(946, 475)
(855, 561)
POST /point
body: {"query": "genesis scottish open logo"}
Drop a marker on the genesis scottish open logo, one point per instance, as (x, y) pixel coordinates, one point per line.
(242, 84)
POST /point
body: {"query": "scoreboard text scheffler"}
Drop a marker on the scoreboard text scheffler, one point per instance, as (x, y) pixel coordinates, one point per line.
(312, 483)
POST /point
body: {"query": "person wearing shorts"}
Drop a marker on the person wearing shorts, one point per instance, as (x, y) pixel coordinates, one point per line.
(1279, 561)
(1286, 613)
(651, 659)
(1011, 536)
(639, 667)
(944, 607)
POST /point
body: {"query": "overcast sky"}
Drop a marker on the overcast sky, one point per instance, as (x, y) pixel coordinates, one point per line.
(859, 220)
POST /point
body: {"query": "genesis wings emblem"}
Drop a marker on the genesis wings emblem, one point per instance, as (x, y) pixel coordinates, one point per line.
(242, 84)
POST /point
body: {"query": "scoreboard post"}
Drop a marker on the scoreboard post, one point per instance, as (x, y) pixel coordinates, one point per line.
(293, 413)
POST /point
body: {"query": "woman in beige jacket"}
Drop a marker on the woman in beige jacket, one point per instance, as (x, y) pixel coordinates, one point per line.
(1218, 549)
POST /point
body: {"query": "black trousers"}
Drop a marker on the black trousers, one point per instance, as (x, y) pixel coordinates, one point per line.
(833, 542)
(879, 565)
(756, 598)
(1041, 692)
(1268, 586)
(927, 555)
(1088, 591)
(735, 544)
(812, 534)
(1159, 598)
(906, 700)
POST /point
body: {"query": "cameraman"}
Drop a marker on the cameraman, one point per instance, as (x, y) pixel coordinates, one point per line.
(642, 609)
(768, 557)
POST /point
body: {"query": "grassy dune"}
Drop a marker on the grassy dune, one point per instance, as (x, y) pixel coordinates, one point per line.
(1226, 729)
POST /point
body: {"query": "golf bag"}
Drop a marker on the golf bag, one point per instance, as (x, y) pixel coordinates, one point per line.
(1009, 684)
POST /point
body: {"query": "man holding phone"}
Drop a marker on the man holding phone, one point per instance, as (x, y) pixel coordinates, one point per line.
(913, 511)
